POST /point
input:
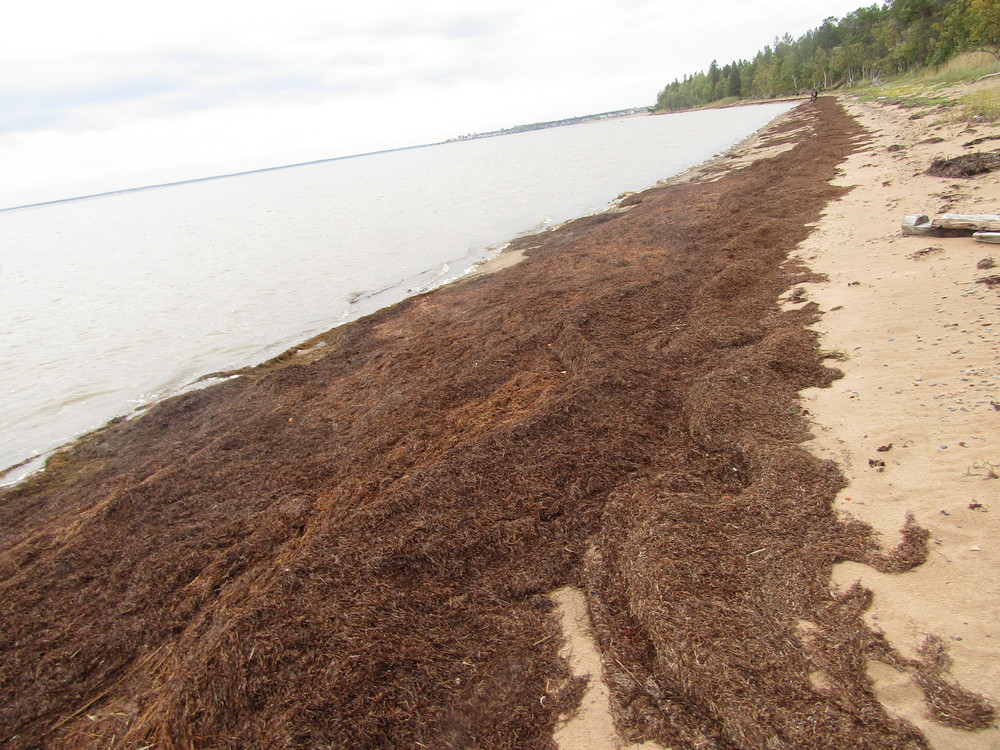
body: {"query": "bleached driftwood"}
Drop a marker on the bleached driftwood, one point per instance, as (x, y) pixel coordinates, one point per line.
(919, 224)
(993, 237)
(974, 222)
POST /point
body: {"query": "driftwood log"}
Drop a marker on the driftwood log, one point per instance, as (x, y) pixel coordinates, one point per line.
(917, 224)
(950, 225)
(992, 237)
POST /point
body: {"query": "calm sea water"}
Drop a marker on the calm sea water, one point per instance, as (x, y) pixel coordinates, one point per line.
(112, 302)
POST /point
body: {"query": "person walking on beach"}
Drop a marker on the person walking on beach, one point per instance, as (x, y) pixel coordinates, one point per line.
(814, 95)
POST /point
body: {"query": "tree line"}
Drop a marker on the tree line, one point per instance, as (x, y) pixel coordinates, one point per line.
(865, 45)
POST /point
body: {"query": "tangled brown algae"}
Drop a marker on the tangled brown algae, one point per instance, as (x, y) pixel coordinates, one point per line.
(354, 548)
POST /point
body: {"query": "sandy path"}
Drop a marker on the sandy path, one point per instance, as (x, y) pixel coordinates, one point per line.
(922, 374)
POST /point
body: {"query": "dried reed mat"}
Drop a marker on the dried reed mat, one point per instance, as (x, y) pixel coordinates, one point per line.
(351, 546)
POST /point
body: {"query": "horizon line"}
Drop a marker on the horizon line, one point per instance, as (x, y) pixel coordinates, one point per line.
(217, 176)
(488, 134)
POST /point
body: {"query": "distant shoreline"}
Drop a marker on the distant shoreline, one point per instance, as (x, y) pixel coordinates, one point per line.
(216, 177)
(628, 112)
(738, 103)
(507, 131)
(616, 114)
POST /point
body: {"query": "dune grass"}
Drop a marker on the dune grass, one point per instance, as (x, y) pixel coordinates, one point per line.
(981, 106)
(933, 90)
(964, 68)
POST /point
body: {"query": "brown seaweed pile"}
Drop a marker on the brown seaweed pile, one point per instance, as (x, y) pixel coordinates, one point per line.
(352, 545)
(966, 165)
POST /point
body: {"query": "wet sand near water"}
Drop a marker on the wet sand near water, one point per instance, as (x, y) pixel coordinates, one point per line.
(369, 541)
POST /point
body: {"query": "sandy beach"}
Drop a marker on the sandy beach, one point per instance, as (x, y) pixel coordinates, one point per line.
(920, 335)
(714, 469)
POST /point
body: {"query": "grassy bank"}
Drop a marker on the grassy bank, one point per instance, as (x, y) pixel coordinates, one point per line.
(944, 89)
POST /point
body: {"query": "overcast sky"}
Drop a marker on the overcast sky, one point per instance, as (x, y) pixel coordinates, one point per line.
(101, 95)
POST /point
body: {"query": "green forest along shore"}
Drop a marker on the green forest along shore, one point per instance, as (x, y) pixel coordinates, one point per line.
(869, 45)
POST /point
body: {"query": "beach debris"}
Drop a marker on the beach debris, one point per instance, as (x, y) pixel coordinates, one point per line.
(798, 295)
(991, 470)
(908, 554)
(985, 263)
(917, 224)
(989, 473)
(989, 281)
(991, 237)
(977, 141)
(975, 506)
(950, 225)
(947, 702)
(925, 252)
(877, 463)
(884, 448)
(967, 165)
(629, 198)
